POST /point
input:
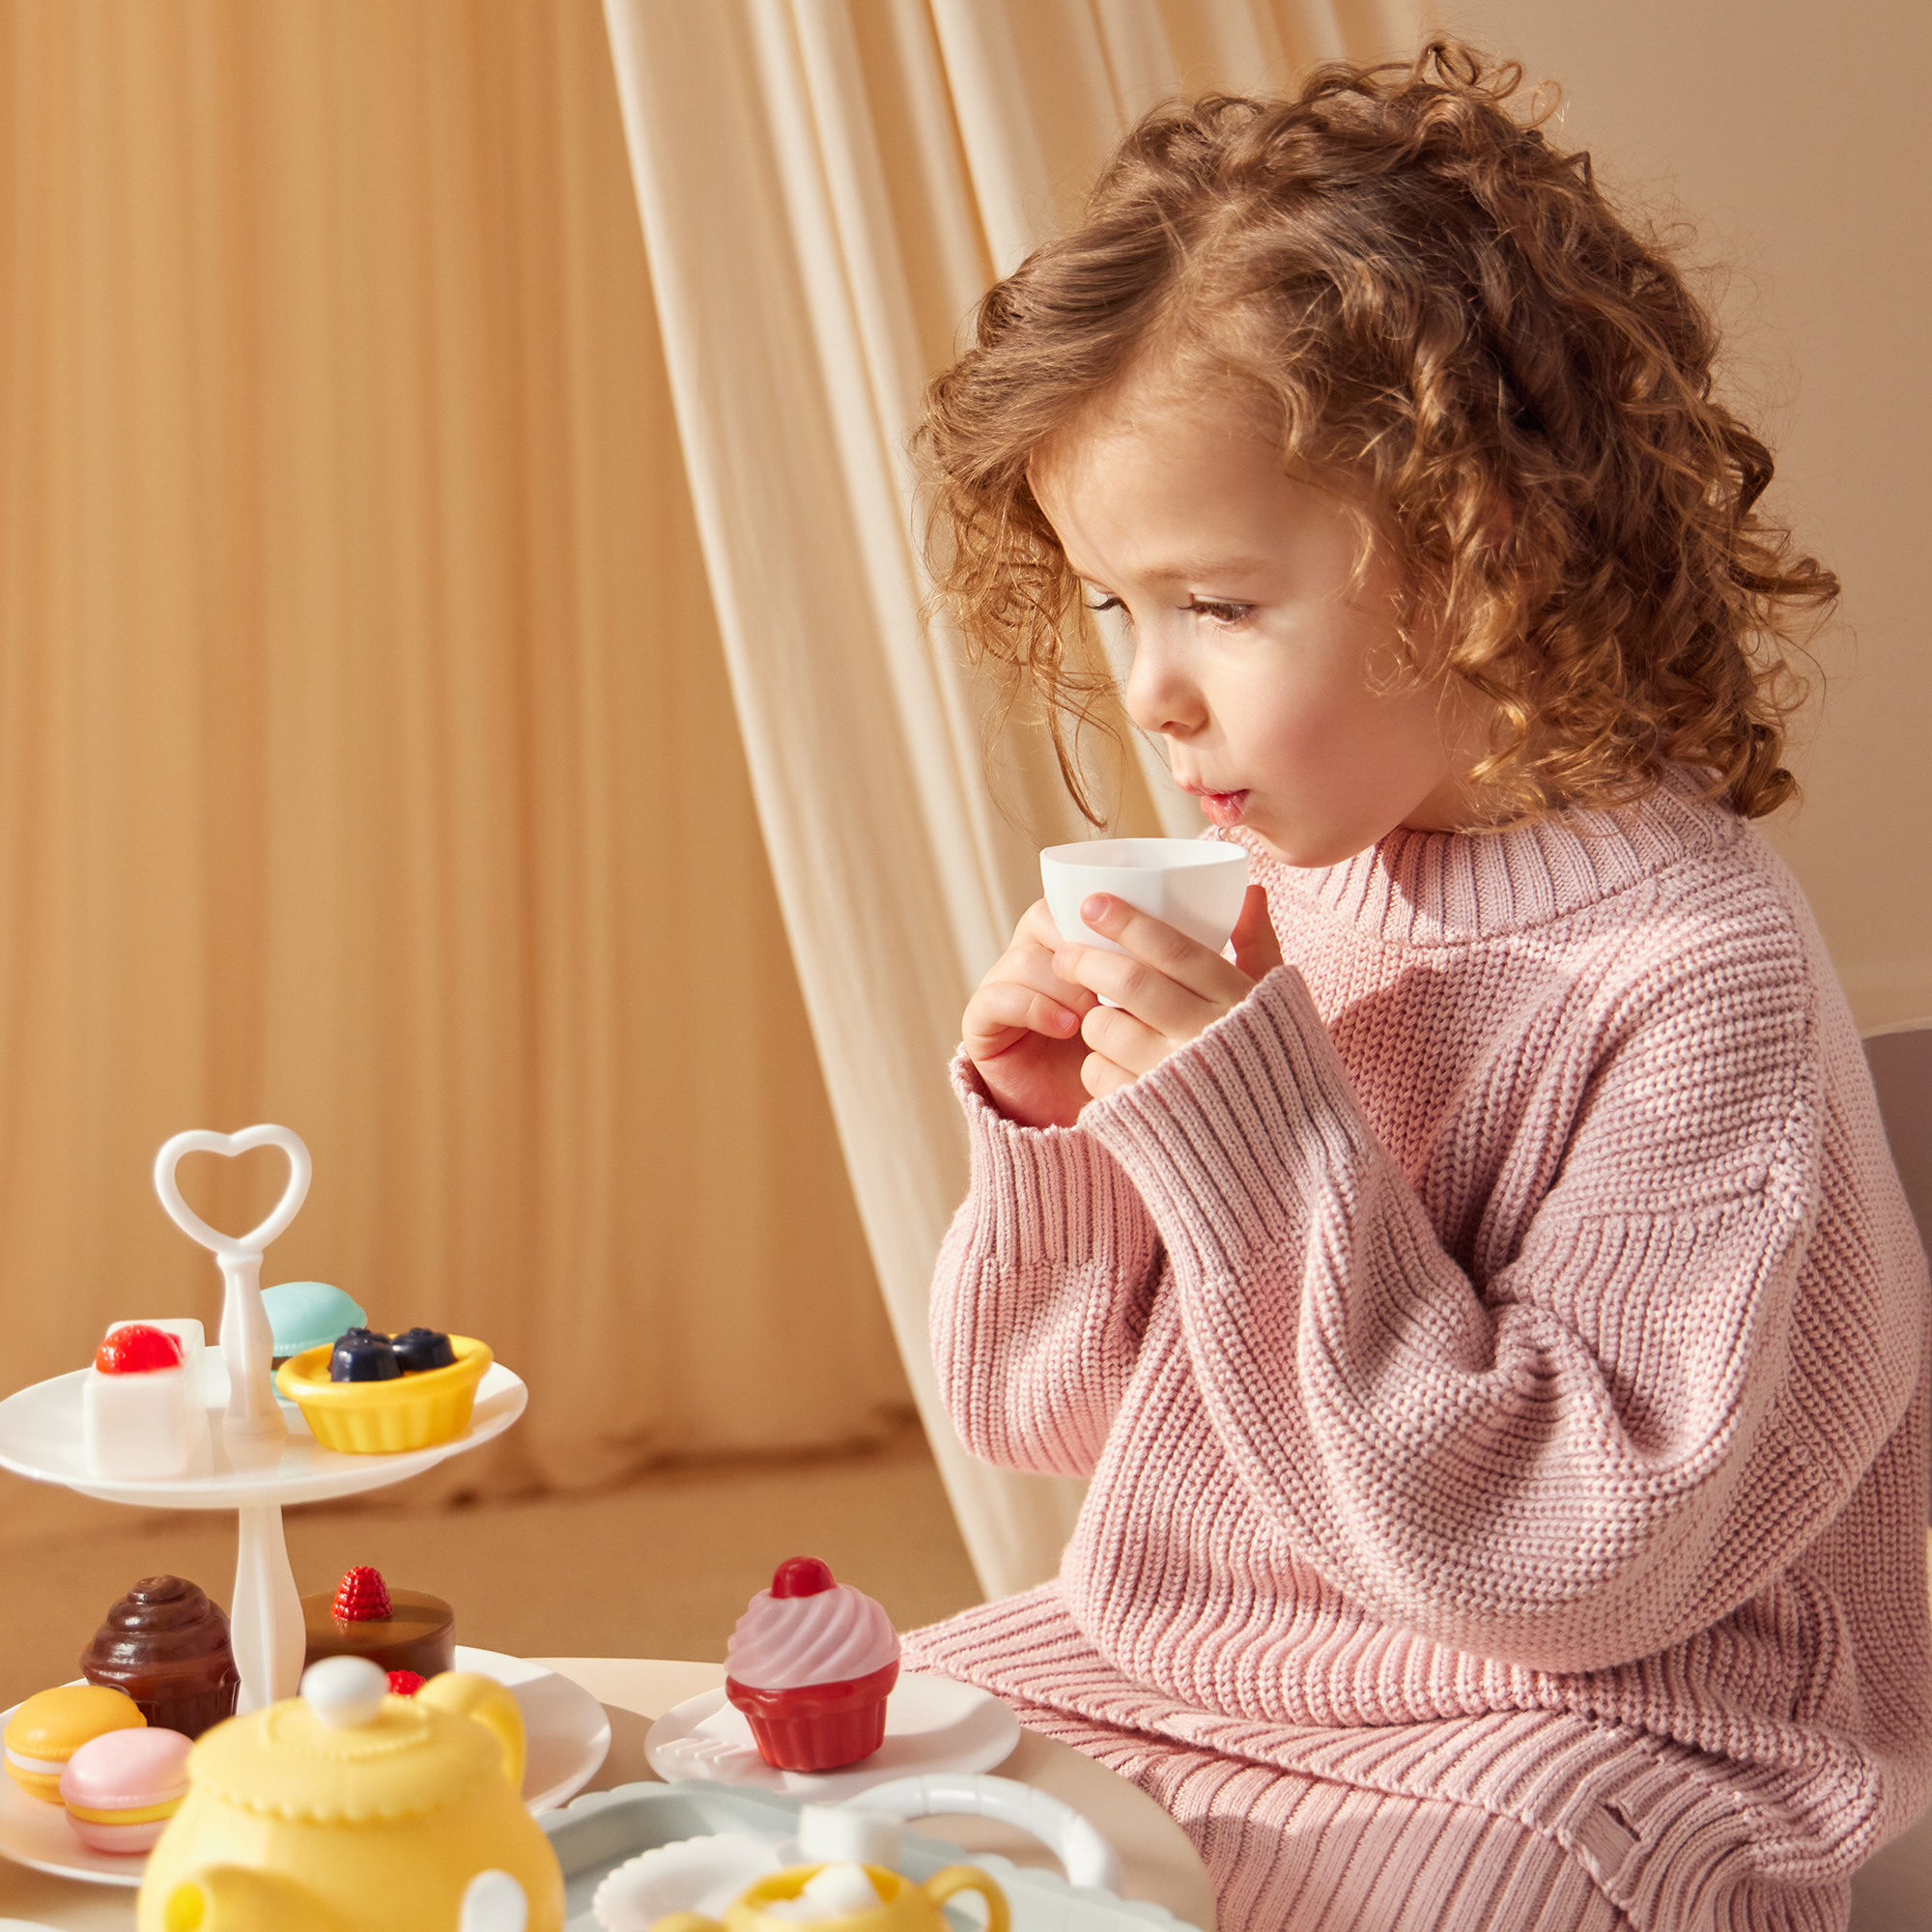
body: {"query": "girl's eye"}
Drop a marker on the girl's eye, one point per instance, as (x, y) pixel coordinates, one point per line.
(1107, 604)
(1220, 614)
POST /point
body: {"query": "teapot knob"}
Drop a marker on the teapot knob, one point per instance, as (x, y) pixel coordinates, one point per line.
(494, 1902)
(344, 1690)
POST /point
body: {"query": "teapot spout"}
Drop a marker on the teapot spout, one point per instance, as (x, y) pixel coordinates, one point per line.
(238, 1898)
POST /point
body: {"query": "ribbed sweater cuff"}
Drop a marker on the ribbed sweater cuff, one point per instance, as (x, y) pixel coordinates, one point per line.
(1045, 1194)
(1231, 1134)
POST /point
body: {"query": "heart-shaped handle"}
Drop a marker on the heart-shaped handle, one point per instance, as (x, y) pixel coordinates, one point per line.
(199, 1140)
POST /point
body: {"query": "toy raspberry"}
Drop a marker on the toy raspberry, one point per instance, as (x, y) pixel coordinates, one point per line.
(362, 1597)
(405, 1682)
(810, 1664)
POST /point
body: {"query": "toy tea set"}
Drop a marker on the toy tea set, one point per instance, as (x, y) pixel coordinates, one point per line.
(315, 1764)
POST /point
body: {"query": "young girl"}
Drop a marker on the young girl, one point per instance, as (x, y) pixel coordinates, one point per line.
(1496, 1337)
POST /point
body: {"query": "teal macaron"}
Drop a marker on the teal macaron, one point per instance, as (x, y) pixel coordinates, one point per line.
(306, 1314)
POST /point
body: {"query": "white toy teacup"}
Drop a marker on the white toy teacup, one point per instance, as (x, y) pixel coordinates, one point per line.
(1194, 885)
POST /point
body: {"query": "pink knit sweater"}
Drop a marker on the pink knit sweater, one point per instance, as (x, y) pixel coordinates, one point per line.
(1508, 1319)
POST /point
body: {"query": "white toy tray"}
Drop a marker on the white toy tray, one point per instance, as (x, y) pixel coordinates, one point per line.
(594, 1834)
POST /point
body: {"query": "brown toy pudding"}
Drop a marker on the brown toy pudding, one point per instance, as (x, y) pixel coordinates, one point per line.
(166, 1645)
(395, 1629)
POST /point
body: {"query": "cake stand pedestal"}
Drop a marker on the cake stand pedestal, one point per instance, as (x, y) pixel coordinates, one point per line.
(254, 1453)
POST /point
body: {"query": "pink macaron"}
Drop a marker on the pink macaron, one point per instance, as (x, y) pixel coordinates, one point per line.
(121, 1789)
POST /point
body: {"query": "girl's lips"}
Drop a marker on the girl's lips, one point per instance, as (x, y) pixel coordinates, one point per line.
(1223, 808)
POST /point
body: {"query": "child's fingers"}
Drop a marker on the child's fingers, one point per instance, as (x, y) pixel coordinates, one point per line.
(1256, 949)
(1037, 927)
(1101, 1076)
(1125, 1043)
(1164, 990)
(1002, 1010)
(1152, 940)
(1168, 980)
(1144, 993)
(1029, 960)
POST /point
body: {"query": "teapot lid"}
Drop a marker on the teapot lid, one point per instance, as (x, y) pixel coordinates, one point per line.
(346, 1753)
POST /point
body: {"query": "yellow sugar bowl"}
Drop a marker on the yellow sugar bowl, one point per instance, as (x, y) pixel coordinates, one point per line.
(385, 1418)
(347, 1809)
(850, 1898)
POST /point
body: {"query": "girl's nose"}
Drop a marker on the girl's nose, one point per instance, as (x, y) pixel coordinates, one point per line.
(1160, 696)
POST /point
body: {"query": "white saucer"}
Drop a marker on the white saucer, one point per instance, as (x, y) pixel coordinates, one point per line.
(565, 1731)
(932, 1723)
(564, 1727)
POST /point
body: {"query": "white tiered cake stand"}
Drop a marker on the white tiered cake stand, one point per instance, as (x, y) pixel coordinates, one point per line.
(256, 1453)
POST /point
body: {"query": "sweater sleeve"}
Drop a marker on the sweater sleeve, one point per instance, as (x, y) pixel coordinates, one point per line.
(1642, 1418)
(1041, 1292)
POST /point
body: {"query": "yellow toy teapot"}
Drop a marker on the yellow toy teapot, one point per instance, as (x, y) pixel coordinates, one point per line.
(895, 1904)
(346, 1809)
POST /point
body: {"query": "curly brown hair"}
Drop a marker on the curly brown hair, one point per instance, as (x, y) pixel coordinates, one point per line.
(1457, 328)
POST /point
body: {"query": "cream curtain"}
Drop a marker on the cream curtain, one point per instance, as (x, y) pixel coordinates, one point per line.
(826, 188)
(367, 756)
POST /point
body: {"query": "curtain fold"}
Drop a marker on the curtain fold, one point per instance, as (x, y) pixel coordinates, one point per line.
(826, 187)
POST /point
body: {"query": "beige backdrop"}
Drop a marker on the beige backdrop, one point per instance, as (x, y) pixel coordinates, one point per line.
(1792, 136)
(366, 758)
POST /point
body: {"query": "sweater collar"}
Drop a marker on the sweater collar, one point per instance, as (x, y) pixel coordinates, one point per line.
(1441, 888)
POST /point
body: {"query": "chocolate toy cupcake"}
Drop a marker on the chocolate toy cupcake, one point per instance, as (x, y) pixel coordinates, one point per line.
(166, 1645)
(396, 1630)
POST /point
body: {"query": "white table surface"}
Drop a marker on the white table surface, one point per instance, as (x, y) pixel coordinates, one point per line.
(1161, 1863)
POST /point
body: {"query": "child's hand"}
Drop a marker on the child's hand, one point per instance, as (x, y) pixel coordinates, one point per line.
(1022, 1029)
(1170, 990)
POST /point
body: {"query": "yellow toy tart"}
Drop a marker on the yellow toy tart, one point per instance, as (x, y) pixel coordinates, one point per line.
(385, 1418)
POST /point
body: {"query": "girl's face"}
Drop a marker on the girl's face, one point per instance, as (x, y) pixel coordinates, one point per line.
(1255, 658)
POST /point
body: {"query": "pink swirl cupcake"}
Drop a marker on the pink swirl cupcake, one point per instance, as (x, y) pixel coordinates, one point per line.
(810, 1664)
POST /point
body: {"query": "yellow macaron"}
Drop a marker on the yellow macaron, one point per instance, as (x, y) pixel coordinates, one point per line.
(50, 1726)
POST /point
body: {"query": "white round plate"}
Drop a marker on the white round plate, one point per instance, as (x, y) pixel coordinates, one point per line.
(932, 1723)
(564, 1727)
(565, 1731)
(41, 1438)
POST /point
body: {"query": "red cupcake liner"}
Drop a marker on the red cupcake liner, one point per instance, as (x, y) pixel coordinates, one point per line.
(817, 1727)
